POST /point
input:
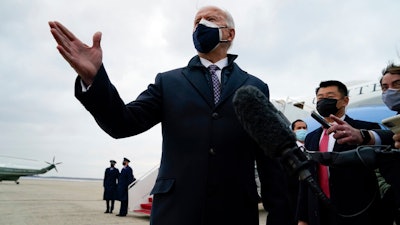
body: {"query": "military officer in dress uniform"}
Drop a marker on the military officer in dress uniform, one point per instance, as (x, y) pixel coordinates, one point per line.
(110, 186)
(125, 179)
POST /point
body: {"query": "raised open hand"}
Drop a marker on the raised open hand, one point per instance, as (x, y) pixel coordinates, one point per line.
(85, 60)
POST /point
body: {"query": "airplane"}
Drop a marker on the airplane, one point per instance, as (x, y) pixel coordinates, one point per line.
(14, 173)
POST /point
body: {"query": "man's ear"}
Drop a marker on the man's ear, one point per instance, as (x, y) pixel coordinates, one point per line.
(346, 99)
(231, 35)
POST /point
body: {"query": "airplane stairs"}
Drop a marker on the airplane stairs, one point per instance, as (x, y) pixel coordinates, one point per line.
(145, 208)
(140, 200)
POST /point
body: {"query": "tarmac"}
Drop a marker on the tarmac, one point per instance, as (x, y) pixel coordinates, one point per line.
(62, 202)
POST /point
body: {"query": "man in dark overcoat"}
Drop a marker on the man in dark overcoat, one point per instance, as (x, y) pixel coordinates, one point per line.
(206, 174)
(110, 186)
(353, 190)
(125, 179)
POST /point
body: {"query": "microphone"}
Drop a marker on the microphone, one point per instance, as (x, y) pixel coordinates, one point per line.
(369, 156)
(263, 122)
(366, 156)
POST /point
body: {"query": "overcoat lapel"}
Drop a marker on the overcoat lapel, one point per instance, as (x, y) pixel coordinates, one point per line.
(236, 79)
(195, 73)
(196, 78)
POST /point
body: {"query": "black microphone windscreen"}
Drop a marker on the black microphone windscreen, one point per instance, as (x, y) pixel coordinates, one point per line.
(262, 121)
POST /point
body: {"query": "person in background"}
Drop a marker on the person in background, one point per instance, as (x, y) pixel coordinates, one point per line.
(388, 164)
(125, 179)
(110, 186)
(206, 174)
(299, 127)
(353, 190)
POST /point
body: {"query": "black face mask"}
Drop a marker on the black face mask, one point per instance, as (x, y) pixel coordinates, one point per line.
(207, 36)
(327, 106)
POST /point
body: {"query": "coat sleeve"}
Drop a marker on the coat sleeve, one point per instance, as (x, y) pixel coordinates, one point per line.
(131, 177)
(105, 176)
(302, 203)
(274, 191)
(116, 118)
(386, 136)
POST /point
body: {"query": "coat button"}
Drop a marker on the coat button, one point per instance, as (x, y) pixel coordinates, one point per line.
(215, 116)
(212, 151)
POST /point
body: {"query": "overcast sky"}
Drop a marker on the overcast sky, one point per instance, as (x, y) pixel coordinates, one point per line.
(290, 44)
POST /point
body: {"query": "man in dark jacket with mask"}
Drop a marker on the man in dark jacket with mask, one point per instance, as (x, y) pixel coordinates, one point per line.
(388, 164)
(351, 189)
(206, 174)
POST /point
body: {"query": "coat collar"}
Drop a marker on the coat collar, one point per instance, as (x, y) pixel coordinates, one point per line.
(195, 72)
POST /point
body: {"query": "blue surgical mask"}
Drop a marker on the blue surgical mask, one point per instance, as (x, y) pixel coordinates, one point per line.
(301, 134)
(391, 98)
(207, 36)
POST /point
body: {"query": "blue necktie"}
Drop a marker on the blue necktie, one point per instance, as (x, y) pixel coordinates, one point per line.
(215, 82)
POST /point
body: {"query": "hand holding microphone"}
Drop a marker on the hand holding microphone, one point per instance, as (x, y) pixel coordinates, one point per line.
(346, 134)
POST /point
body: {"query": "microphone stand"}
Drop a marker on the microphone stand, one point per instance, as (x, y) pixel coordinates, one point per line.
(368, 156)
(297, 161)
